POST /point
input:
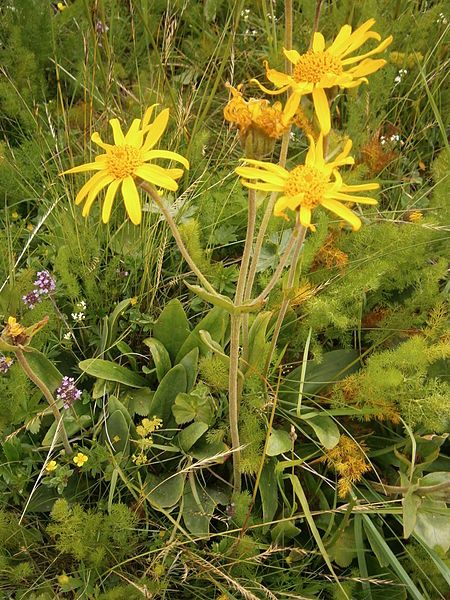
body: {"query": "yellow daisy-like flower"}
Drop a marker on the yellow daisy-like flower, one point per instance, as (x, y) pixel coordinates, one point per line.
(80, 459)
(316, 183)
(127, 160)
(322, 68)
(51, 466)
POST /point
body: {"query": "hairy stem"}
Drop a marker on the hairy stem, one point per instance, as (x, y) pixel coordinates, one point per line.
(48, 396)
(176, 234)
(284, 305)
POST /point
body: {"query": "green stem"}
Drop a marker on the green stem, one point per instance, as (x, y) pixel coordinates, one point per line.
(48, 396)
(285, 303)
(176, 234)
(234, 385)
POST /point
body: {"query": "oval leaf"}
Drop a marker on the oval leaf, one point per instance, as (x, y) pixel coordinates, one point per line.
(106, 369)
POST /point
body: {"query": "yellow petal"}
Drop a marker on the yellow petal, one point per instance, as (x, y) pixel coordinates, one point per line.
(134, 136)
(292, 55)
(349, 198)
(156, 176)
(357, 42)
(280, 171)
(117, 132)
(131, 200)
(262, 187)
(322, 110)
(166, 154)
(252, 173)
(148, 115)
(95, 137)
(367, 67)
(109, 199)
(341, 40)
(318, 42)
(291, 107)
(353, 83)
(319, 159)
(342, 211)
(358, 36)
(95, 166)
(278, 78)
(270, 92)
(384, 44)
(311, 155)
(305, 216)
(87, 187)
(174, 173)
(155, 130)
(361, 187)
(94, 191)
(283, 202)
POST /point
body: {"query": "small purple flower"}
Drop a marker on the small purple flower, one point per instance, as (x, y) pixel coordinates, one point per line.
(44, 282)
(5, 363)
(31, 299)
(67, 392)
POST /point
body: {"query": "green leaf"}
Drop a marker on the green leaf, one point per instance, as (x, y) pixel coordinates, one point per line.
(386, 557)
(160, 356)
(117, 432)
(190, 363)
(71, 424)
(215, 322)
(279, 442)
(164, 492)
(172, 328)
(214, 299)
(191, 434)
(113, 321)
(197, 511)
(433, 524)
(410, 503)
(171, 385)
(193, 407)
(44, 369)
(343, 551)
(283, 532)
(105, 369)
(257, 341)
(139, 401)
(335, 365)
(204, 450)
(324, 427)
(268, 490)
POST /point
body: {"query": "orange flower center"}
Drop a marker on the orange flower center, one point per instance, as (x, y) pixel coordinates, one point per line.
(122, 161)
(312, 66)
(309, 181)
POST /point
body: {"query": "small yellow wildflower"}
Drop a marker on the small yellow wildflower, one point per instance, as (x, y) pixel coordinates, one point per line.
(133, 301)
(148, 426)
(61, 6)
(51, 466)
(14, 329)
(415, 216)
(127, 160)
(321, 68)
(63, 579)
(15, 215)
(30, 227)
(14, 334)
(310, 185)
(80, 459)
(348, 459)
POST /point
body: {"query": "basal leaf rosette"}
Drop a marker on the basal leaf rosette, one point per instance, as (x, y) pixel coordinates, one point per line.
(125, 162)
(320, 68)
(308, 186)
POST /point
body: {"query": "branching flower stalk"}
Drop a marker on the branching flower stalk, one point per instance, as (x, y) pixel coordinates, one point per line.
(48, 396)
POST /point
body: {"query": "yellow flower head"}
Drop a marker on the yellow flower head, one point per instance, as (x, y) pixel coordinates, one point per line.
(51, 466)
(349, 460)
(316, 183)
(127, 160)
(148, 426)
(80, 459)
(322, 68)
(14, 334)
(259, 122)
(415, 216)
